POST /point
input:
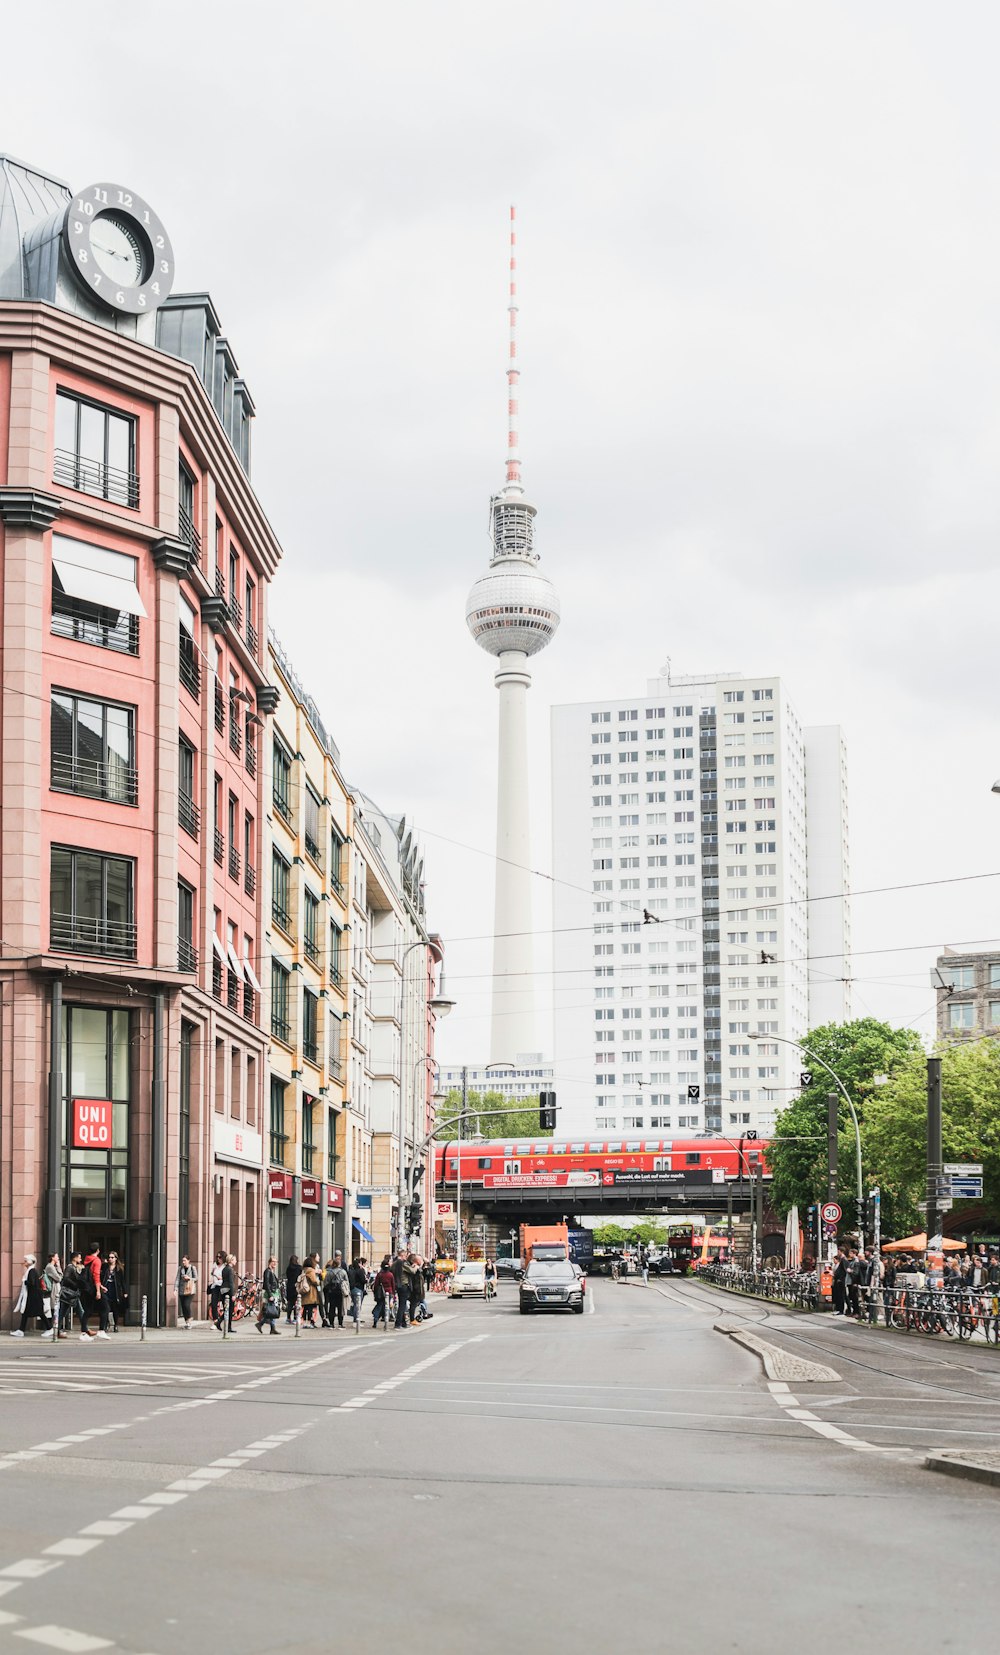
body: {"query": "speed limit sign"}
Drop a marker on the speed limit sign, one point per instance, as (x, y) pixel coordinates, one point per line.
(831, 1213)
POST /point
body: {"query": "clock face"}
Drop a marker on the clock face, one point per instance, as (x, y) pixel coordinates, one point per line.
(119, 250)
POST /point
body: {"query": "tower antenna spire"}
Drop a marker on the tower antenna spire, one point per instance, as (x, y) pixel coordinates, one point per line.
(513, 371)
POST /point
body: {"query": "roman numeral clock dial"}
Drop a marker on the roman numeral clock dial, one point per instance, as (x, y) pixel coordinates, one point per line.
(119, 249)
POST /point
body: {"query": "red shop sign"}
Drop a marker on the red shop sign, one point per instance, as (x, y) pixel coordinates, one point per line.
(310, 1192)
(279, 1186)
(334, 1195)
(91, 1123)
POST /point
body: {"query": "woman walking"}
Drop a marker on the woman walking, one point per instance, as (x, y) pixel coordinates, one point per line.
(309, 1290)
(383, 1290)
(52, 1279)
(215, 1287)
(270, 1301)
(185, 1286)
(30, 1304)
(113, 1282)
(293, 1271)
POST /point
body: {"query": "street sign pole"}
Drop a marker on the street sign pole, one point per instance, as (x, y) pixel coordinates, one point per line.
(934, 1152)
(875, 1274)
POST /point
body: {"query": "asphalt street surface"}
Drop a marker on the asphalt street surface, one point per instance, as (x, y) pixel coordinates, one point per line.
(626, 1479)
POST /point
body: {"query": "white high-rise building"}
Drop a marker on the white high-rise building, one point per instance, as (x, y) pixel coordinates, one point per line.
(693, 830)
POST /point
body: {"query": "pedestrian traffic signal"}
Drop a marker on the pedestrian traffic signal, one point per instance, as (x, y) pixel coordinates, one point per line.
(546, 1111)
(415, 1215)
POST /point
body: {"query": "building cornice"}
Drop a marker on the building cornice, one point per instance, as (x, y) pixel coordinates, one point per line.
(28, 508)
(148, 374)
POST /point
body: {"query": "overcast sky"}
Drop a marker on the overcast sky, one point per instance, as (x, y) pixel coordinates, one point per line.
(760, 344)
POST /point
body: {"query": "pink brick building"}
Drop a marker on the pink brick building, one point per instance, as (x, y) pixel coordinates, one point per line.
(134, 566)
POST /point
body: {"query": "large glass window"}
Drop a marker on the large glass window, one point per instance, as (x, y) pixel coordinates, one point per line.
(184, 1140)
(311, 827)
(95, 450)
(95, 599)
(187, 954)
(310, 926)
(336, 861)
(91, 903)
(93, 748)
(279, 1137)
(280, 885)
(310, 1026)
(96, 1065)
(281, 782)
(280, 1025)
(188, 813)
(336, 940)
(308, 1135)
(190, 664)
(185, 508)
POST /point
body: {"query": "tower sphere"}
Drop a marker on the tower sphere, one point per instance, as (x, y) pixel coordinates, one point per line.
(513, 606)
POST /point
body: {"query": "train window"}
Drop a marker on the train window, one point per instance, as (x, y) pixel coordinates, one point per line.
(614, 1149)
(661, 1163)
(511, 1168)
(633, 1149)
(578, 1149)
(453, 1166)
(522, 1149)
(692, 1160)
(484, 1163)
(557, 1149)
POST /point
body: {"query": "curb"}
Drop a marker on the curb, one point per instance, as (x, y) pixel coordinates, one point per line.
(779, 1364)
(972, 1471)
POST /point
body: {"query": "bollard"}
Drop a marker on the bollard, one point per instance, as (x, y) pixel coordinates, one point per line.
(226, 1300)
(298, 1314)
(142, 1320)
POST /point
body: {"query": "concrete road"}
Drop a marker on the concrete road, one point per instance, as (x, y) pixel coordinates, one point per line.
(494, 1483)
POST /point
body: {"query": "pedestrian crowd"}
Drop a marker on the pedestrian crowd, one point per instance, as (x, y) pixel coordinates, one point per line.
(855, 1274)
(88, 1287)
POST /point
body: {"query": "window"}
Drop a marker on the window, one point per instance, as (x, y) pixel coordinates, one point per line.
(95, 450)
(310, 926)
(233, 815)
(187, 954)
(95, 599)
(91, 903)
(311, 826)
(600, 718)
(962, 1017)
(281, 784)
(763, 695)
(280, 1025)
(336, 860)
(280, 882)
(250, 597)
(995, 976)
(994, 1012)
(187, 810)
(962, 976)
(279, 1137)
(732, 695)
(249, 855)
(93, 748)
(310, 1026)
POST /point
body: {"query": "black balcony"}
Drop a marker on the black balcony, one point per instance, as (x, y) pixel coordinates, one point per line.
(310, 1050)
(249, 1009)
(79, 934)
(281, 917)
(188, 814)
(118, 783)
(311, 949)
(232, 991)
(217, 978)
(283, 806)
(187, 532)
(88, 623)
(281, 1029)
(337, 883)
(234, 862)
(220, 708)
(189, 671)
(335, 976)
(312, 849)
(250, 880)
(335, 1068)
(187, 955)
(108, 482)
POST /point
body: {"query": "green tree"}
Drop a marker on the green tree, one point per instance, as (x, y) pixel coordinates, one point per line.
(649, 1232)
(857, 1052)
(487, 1120)
(610, 1235)
(895, 1136)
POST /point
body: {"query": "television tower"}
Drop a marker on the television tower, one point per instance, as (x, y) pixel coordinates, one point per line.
(512, 612)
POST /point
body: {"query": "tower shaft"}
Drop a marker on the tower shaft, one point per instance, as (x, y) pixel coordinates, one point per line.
(512, 1028)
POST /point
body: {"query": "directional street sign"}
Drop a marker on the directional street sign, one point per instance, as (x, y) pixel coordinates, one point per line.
(831, 1213)
(966, 1189)
(375, 1189)
(963, 1169)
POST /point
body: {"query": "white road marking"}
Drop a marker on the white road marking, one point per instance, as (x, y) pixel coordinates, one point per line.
(27, 1568)
(135, 1513)
(74, 1547)
(64, 1638)
(106, 1528)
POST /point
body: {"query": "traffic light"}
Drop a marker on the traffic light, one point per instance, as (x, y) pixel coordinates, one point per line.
(546, 1111)
(415, 1215)
(812, 1222)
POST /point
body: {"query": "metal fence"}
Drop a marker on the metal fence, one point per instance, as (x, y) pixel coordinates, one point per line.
(956, 1313)
(794, 1287)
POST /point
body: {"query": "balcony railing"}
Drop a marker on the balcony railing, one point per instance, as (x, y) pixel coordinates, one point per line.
(232, 991)
(337, 883)
(220, 847)
(310, 1050)
(95, 779)
(87, 623)
(108, 482)
(335, 1068)
(251, 636)
(251, 755)
(250, 880)
(336, 976)
(217, 978)
(281, 917)
(311, 949)
(188, 814)
(282, 805)
(220, 708)
(80, 934)
(189, 671)
(249, 1009)
(234, 731)
(312, 849)
(187, 531)
(281, 1028)
(234, 862)
(187, 955)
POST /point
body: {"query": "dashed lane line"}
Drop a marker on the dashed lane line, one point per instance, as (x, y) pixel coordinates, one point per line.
(824, 1427)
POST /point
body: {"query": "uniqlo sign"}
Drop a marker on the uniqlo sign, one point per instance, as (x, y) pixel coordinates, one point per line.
(91, 1123)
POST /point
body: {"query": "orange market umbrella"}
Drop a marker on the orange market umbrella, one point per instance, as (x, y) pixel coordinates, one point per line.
(918, 1244)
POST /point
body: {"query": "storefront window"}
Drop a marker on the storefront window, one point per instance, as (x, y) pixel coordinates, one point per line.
(97, 1068)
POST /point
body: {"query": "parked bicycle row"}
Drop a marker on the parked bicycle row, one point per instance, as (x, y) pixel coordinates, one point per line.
(795, 1287)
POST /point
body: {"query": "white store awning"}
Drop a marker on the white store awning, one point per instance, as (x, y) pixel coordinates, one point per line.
(97, 576)
(252, 975)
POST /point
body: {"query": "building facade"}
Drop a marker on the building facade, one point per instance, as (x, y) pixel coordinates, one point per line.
(527, 1075)
(968, 988)
(135, 566)
(682, 918)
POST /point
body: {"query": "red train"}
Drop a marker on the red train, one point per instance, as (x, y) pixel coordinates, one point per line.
(554, 1163)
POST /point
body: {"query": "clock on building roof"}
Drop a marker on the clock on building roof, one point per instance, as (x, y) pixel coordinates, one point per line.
(118, 248)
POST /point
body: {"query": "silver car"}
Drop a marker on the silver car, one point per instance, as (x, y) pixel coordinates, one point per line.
(469, 1281)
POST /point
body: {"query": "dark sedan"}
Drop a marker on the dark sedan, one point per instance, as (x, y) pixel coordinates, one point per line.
(551, 1285)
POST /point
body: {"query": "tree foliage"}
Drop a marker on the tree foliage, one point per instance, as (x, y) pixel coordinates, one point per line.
(647, 1231)
(487, 1120)
(857, 1052)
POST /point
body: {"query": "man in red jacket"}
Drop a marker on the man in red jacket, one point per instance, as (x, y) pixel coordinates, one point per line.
(92, 1295)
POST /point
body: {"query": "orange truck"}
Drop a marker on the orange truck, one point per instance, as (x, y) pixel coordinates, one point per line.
(550, 1241)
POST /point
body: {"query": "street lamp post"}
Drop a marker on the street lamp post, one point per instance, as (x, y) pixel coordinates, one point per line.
(784, 1040)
